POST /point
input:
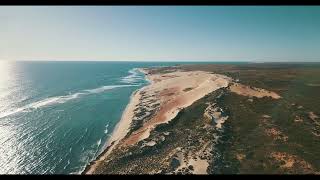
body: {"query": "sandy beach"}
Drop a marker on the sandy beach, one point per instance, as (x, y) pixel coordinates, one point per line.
(175, 91)
(120, 130)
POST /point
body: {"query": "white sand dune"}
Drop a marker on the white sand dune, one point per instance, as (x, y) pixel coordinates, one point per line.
(170, 90)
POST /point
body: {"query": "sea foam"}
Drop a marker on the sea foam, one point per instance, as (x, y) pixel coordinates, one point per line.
(60, 99)
(106, 130)
(133, 76)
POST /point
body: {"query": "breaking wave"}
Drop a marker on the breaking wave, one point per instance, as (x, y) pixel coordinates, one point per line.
(60, 99)
(106, 130)
(133, 77)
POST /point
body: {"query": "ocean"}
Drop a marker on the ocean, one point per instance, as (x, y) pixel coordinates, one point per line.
(55, 117)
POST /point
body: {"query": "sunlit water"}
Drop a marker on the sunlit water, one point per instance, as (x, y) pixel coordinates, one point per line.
(56, 116)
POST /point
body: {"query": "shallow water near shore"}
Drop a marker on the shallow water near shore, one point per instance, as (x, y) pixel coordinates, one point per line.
(55, 117)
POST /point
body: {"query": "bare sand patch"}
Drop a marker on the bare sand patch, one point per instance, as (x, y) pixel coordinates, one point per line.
(289, 161)
(276, 134)
(197, 161)
(298, 119)
(252, 91)
(266, 116)
(240, 156)
(214, 113)
(313, 116)
(200, 166)
(316, 134)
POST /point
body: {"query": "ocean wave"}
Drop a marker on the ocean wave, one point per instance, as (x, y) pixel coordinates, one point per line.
(99, 142)
(133, 77)
(68, 163)
(54, 100)
(60, 99)
(106, 130)
(104, 88)
(97, 147)
(82, 136)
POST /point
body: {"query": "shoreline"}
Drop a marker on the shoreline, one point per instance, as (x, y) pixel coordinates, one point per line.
(120, 130)
(173, 91)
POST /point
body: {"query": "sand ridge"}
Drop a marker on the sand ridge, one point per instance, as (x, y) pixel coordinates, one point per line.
(252, 91)
(169, 91)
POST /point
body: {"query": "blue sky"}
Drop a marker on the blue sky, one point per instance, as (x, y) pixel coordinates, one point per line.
(185, 33)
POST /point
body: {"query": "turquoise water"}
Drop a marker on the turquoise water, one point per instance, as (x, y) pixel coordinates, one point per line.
(56, 116)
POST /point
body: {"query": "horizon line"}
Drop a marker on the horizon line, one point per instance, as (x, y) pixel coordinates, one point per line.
(148, 61)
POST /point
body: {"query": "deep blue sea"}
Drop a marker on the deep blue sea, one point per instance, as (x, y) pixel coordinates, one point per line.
(55, 117)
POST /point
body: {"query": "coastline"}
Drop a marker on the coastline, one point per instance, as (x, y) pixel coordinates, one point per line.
(120, 130)
(172, 91)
